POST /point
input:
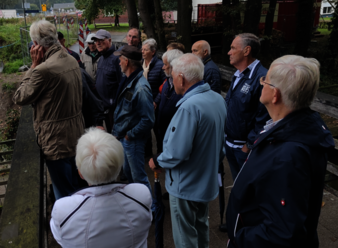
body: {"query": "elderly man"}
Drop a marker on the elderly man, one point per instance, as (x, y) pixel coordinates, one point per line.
(212, 75)
(191, 151)
(108, 75)
(53, 86)
(107, 214)
(134, 114)
(246, 115)
(277, 196)
(90, 57)
(167, 99)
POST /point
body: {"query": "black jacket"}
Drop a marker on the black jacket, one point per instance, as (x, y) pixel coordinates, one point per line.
(92, 106)
(156, 75)
(212, 75)
(277, 195)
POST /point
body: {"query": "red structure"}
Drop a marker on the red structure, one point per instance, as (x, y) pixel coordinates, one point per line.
(285, 16)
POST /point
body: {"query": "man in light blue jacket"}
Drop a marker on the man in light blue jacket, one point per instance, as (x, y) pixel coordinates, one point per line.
(191, 152)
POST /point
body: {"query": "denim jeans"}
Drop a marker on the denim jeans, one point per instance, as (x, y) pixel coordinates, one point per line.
(190, 224)
(133, 167)
(236, 159)
(64, 175)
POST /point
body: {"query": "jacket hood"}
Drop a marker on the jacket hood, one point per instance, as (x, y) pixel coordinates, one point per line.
(197, 90)
(304, 126)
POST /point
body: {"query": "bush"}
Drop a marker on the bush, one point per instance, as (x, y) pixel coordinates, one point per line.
(9, 87)
(11, 125)
(13, 67)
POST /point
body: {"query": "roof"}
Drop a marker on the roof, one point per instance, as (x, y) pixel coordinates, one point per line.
(64, 6)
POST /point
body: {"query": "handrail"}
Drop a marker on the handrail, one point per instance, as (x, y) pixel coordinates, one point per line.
(22, 222)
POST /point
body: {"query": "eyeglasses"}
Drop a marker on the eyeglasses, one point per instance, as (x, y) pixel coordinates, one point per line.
(90, 43)
(262, 82)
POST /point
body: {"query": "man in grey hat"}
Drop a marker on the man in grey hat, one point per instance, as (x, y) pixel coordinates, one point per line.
(108, 74)
(134, 114)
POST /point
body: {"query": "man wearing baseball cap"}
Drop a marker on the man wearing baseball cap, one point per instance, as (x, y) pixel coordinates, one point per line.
(108, 74)
(134, 114)
(90, 57)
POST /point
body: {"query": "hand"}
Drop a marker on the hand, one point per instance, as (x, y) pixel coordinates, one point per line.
(126, 137)
(37, 53)
(155, 105)
(100, 127)
(153, 167)
(245, 149)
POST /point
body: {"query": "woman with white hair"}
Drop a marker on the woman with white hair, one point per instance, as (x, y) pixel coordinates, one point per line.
(106, 214)
(277, 195)
(152, 71)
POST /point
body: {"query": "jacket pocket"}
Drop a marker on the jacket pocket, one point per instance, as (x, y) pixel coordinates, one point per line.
(127, 105)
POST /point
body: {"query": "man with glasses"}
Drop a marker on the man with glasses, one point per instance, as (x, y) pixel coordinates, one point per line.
(246, 115)
(90, 57)
(277, 196)
(108, 75)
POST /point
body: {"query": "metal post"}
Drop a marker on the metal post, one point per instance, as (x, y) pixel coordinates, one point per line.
(24, 11)
(77, 19)
(59, 19)
(67, 28)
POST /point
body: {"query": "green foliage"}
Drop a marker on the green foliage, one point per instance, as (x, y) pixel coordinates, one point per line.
(168, 5)
(33, 6)
(8, 87)
(9, 34)
(13, 67)
(93, 7)
(333, 41)
(11, 125)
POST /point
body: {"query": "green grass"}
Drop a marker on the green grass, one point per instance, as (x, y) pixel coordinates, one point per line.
(12, 67)
(8, 87)
(124, 27)
(324, 31)
(9, 34)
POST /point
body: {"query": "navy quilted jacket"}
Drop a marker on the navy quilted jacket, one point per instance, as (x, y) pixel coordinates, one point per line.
(156, 75)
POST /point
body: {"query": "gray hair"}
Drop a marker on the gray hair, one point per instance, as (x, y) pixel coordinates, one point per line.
(133, 63)
(190, 66)
(252, 41)
(151, 43)
(44, 33)
(297, 78)
(171, 55)
(99, 156)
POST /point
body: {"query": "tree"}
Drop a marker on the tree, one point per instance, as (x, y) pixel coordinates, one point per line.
(93, 7)
(269, 17)
(132, 14)
(305, 17)
(168, 5)
(252, 16)
(33, 6)
(333, 40)
(147, 22)
(184, 11)
(159, 25)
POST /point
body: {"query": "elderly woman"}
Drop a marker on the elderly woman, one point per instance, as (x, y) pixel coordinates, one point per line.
(107, 214)
(152, 71)
(277, 195)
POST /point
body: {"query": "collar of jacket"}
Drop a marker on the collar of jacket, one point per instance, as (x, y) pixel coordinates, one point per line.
(130, 84)
(98, 55)
(153, 61)
(199, 89)
(96, 190)
(109, 51)
(303, 126)
(247, 71)
(207, 59)
(53, 49)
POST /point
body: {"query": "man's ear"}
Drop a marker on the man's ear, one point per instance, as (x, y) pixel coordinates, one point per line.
(277, 97)
(205, 53)
(247, 50)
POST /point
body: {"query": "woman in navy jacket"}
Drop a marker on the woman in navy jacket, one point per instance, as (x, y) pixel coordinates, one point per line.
(277, 195)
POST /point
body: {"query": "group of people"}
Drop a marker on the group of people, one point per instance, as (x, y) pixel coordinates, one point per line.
(275, 145)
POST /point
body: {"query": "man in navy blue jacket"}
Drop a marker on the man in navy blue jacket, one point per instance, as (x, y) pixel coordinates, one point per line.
(277, 196)
(212, 75)
(108, 75)
(246, 115)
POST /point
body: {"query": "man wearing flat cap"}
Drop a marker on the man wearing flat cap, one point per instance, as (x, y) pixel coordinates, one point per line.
(134, 114)
(108, 74)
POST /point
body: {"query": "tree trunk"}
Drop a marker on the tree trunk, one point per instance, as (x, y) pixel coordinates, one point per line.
(146, 19)
(269, 18)
(305, 18)
(184, 11)
(159, 25)
(132, 14)
(252, 16)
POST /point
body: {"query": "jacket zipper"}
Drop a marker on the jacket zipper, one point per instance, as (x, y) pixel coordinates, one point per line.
(171, 178)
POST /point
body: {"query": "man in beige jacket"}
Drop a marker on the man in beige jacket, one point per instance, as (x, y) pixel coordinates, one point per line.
(90, 57)
(53, 86)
